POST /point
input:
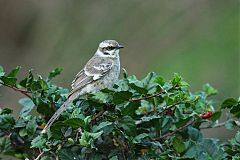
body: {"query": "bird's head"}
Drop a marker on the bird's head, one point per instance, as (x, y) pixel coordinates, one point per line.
(109, 48)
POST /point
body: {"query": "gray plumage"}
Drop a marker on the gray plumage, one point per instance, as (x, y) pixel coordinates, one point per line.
(101, 71)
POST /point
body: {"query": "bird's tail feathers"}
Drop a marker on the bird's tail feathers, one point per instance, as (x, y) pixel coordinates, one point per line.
(56, 115)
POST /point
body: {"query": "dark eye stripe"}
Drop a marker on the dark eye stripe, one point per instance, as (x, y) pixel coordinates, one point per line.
(106, 53)
(109, 48)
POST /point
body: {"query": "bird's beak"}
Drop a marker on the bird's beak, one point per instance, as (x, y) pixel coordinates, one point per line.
(120, 46)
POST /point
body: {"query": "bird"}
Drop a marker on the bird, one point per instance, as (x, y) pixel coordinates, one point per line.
(100, 72)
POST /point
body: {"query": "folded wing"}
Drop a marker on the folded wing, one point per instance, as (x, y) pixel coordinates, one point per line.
(95, 69)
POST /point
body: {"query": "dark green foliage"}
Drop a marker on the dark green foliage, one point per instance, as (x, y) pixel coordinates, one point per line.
(149, 118)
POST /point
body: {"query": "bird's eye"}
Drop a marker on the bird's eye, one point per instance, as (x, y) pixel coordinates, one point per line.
(106, 53)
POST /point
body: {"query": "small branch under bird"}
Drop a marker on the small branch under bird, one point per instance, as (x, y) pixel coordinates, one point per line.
(101, 71)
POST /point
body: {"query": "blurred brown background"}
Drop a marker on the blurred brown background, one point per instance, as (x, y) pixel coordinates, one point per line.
(197, 39)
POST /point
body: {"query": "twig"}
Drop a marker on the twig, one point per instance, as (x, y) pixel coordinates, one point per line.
(219, 125)
(156, 109)
(97, 115)
(152, 96)
(39, 156)
(165, 108)
(123, 147)
(174, 132)
(147, 97)
(24, 92)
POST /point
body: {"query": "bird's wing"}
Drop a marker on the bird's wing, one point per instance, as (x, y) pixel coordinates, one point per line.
(95, 68)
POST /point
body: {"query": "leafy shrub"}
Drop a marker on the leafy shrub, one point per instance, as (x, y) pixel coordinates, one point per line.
(137, 119)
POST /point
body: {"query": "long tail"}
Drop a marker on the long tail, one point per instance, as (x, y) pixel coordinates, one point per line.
(56, 115)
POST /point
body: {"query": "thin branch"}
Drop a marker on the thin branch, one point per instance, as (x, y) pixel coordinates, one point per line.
(174, 132)
(219, 125)
(152, 96)
(156, 109)
(24, 92)
(169, 107)
(97, 115)
(39, 156)
(148, 97)
(124, 147)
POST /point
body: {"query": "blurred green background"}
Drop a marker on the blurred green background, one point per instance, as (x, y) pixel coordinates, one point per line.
(197, 39)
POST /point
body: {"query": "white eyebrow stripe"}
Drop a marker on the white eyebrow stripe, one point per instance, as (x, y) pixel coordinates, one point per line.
(104, 45)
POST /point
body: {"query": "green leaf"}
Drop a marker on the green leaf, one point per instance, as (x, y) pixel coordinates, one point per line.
(236, 111)
(101, 97)
(229, 103)
(114, 158)
(11, 81)
(178, 145)
(23, 132)
(39, 142)
(31, 126)
(194, 134)
(27, 82)
(216, 116)
(43, 84)
(67, 154)
(132, 79)
(74, 122)
(5, 144)
(68, 132)
(2, 73)
(96, 135)
(149, 79)
(38, 85)
(230, 124)
(87, 138)
(20, 123)
(43, 107)
(14, 72)
(130, 108)
(138, 88)
(159, 80)
(27, 104)
(183, 122)
(56, 129)
(70, 141)
(150, 119)
(121, 85)
(101, 126)
(176, 79)
(209, 90)
(54, 73)
(192, 152)
(211, 148)
(6, 121)
(237, 137)
(140, 137)
(146, 104)
(5, 111)
(46, 158)
(121, 97)
(128, 124)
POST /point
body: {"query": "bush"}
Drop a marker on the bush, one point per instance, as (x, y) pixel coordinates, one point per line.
(136, 119)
